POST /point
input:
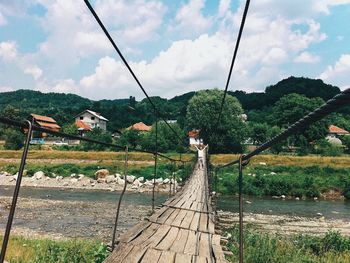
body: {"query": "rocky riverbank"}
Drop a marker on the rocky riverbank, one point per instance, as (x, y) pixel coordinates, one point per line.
(285, 224)
(103, 181)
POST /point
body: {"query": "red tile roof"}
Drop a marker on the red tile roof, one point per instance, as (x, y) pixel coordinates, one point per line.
(140, 126)
(337, 130)
(82, 125)
(193, 134)
(42, 118)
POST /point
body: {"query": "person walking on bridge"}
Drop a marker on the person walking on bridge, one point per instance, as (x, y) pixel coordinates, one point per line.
(201, 155)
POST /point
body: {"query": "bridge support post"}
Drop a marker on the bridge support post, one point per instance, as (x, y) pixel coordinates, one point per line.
(16, 193)
(240, 194)
(174, 179)
(155, 164)
(121, 196)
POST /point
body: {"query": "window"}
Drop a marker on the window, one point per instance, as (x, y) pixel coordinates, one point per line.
(81, 117)
(92, 118)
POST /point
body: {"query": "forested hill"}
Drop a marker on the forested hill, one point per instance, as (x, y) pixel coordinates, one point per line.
(63, 107)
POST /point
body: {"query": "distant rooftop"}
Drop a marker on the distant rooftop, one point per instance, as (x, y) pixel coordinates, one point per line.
(140, 126)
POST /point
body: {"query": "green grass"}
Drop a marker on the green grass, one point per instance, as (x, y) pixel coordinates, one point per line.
(274, 248)
(295, 181)
(25, 250)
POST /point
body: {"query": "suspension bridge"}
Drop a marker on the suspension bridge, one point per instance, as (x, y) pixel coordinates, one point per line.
(183, 228)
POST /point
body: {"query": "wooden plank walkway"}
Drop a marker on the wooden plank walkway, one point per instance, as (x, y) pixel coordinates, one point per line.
(181, 231)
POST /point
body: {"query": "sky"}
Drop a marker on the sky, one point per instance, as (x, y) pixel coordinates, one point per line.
(173, 46)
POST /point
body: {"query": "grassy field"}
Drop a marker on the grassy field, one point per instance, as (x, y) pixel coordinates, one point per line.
(79, 155)
(286, 160)
(273, 248)
(24, 250)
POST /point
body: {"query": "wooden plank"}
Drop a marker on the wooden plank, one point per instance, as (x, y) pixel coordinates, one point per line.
(151, 256)
(120, 252)
(203, 223)
(165, 215)
(178, 220)
(148, 233)
(167, 242)
(172, 217)
(190, 247)
(183, 258)
(158, 236)
(180, 241)
(195, 221)
(134, 255)
(204, 245)
(134, 231)
(188, 219)
(217, 249)
(166, 257)
(200, 259)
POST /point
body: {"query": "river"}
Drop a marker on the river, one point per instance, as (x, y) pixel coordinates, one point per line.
(59, 213)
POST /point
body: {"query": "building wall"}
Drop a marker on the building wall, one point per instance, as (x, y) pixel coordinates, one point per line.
(92, 120)
(195, 141)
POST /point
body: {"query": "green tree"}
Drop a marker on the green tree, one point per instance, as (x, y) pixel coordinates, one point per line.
(202, 113)
(98, 135)
(167, 140)
(292, 107)
(131, 138)
(13, 139)
(259, 132)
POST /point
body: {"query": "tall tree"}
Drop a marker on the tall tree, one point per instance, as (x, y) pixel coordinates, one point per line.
(202, 113)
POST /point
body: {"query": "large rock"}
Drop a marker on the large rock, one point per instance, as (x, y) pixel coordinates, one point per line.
(159, 180)
(166, 181)
(74, 180)
(136, 183)
(101, 180)
(120, 181)
(130, 179)
(38, 175)
(110, 179)
(141, 179)
(102, 174)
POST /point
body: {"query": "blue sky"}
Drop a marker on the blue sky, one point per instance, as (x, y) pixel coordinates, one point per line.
(173, 46)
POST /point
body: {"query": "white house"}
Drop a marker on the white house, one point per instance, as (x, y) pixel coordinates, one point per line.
(93, 119)
(194, 138)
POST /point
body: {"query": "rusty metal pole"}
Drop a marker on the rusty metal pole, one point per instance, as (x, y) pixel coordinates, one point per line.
(126, 159)
(16, 193)
(240, 193)
(155, 165)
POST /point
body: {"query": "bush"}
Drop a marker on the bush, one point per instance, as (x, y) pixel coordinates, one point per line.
(13, 139)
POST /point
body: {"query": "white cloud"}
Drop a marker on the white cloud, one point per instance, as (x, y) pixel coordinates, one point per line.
(8, 50)
(3, 20)
(339, 73)
(190, 20)
(6, 89)
(35, 71)
(224, 7)
(306, 57)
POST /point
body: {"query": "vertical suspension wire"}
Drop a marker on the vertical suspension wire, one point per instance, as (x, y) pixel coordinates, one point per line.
(126, 160)
(174, 179)
(16, 192)
(240, 194)
(155, 163)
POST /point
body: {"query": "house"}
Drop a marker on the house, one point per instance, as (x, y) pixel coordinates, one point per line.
(44, 122)
(82, 127)
(335, 133)
(140, 126)
(93, 119)
(194, 138)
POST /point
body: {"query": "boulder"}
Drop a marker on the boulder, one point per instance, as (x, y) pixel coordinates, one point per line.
(283, 196)
(120, 181)
(39, 175)
(101, 180)
(135, 187)
(262, 163)
(136, 183)
(72, 175)
(80, 176)
(65, 184)
(272, 173)
(15, 176)
(102, 173)
(130, 179)
(166, 181)
(141, 179)
(110, 179)
(159, 180)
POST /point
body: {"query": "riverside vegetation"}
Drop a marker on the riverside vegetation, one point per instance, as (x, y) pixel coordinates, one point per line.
(274, 248)
(25, 250)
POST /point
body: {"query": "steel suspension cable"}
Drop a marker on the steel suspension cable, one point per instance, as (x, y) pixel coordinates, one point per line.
(330, 106)
(128, 66)
(246, 8)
